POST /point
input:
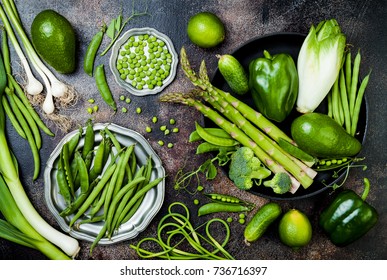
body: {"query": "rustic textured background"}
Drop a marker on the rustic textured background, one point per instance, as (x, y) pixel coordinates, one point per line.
(364, 23)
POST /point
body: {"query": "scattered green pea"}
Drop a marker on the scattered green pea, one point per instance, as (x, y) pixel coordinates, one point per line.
(122, 97)
(148, 129)
(161, 142)
(175, 130)
(138, 110)
(128, 100)
(229, 220)
(154, 119)
(200, 188)
(242, 216)
(95, 108)
(172, 121)
(90, 110)
(163, 127)
(242, 221)
(170, 145)
(196, 201)
(124, 110)
(166, 132)
(91, 100)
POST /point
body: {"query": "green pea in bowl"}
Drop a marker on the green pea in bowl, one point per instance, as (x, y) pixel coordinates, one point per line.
(143, 61)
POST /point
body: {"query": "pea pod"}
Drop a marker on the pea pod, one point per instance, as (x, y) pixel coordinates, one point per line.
(103, 87)
(206, 147)
(194, 136)
(220, 141)
(91, 52)
(216, 207)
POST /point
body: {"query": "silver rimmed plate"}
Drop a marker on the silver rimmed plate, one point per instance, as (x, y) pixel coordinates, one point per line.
(119, 47)
(149, 207)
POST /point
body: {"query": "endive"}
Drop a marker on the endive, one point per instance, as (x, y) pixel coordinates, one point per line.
(319, 62)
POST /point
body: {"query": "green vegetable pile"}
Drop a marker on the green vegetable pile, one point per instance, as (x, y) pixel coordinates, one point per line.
(101, 182)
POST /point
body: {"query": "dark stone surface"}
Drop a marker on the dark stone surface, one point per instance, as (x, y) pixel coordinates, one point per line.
(364, 23)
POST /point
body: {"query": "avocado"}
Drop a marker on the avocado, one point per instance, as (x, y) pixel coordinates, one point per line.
(54, 40)
(321, 136)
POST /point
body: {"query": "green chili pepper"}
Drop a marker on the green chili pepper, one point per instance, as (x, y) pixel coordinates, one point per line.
(348, 217)
(274, 85)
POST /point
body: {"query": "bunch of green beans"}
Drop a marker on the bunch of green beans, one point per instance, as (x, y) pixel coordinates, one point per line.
(101, 182)
(346, 96)
(23, 117)
(175, 228)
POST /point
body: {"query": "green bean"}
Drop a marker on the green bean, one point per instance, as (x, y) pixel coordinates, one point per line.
(89, 139)
(101, 233)
(348, 70)
(29, 135)
(354, 82)
(98, 188)
(215, 207)
(120, 215)
(336, 102)
(113, 206)
(91, 52)
(112, 184)
(91, 220)
(103, 87)
(113, 138)
(11, 115)
(32, 124)
(98, 204)
(182, 227)
(344, 102)
(122, 171)
(359, 99)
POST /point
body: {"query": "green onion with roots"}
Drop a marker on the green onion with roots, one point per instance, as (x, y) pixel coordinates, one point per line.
(54, 87)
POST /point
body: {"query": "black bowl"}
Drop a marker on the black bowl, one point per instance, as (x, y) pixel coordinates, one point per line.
(285, 43)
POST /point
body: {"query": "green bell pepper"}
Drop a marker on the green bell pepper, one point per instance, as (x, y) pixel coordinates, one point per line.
(348, 217)
(273, 82)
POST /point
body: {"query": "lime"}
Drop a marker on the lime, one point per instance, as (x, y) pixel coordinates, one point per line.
(205, 30)
(54, 40)
(295, 229)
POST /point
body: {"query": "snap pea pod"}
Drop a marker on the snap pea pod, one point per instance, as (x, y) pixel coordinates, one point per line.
(206, 147)
(216, 207)
(88, 139)
(220, 141)
(194, 136)
(91, 52)
(98, 160)
(103, 87)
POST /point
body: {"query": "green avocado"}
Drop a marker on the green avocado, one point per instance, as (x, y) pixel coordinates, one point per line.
(54, 40)
(321, 136)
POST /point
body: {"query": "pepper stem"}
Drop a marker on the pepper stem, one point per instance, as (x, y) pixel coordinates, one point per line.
(366, 189)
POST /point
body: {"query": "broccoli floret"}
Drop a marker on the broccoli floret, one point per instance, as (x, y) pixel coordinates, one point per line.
(280, 183)
(245, 167)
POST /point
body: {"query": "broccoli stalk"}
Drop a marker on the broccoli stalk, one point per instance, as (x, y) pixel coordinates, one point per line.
(280, 183)
(245, 168)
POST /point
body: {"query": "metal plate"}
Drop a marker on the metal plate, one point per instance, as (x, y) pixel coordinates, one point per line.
(115, 54)
(151, 204)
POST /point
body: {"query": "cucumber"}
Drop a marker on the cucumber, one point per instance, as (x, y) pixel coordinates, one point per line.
(234, 74)
(264, 217)
(319, 135)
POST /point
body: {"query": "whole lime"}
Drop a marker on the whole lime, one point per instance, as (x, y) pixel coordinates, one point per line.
(295, 229)
(206, 30)
(54, 40)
